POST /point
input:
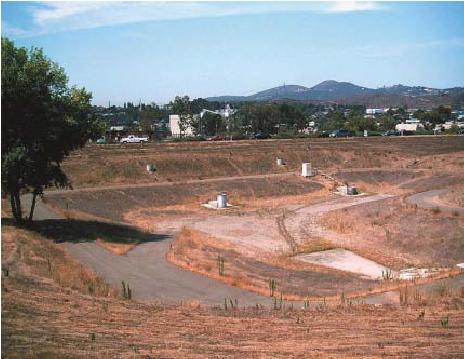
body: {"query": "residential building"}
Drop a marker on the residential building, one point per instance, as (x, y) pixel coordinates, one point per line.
(174, 126)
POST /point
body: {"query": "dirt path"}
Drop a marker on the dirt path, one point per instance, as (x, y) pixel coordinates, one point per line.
(165, 183)
(430, 200)
(147, 271)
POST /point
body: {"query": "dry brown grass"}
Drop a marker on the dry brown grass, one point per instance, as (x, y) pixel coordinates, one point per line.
(338, 221)
(96, 166)
(399, 235)
(455, 197)
(119, 249)
(46, 320)
(47, 312)
(198, 252)
(190, 241)
(314, 245)
(30, 253)
(380, 187)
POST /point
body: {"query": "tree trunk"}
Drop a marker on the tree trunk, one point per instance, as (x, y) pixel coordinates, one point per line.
(13, 206)
(16, 206)
(31, 213)
(19, 210)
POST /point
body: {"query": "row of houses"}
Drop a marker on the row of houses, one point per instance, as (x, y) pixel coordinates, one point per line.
(415, 125)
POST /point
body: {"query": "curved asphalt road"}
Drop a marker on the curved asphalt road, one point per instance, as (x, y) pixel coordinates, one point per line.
(428, 200)
(147, 271)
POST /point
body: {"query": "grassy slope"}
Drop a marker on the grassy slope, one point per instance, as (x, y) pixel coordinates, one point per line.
(48, 314)
(97, 166)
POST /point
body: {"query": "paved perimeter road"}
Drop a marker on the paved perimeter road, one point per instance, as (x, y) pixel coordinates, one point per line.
(147, 271)
(166, 183)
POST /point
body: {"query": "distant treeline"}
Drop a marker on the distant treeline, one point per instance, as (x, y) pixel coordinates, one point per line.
(275, 118)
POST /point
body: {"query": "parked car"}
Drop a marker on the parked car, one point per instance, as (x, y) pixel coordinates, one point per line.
(216, 138)
(261, 136)
(102, 141)
(134, 139)
(391, 133)
(341, 133)
(323, 134)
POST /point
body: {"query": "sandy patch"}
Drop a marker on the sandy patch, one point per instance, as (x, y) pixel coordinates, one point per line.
(345, 260)
(248, 233)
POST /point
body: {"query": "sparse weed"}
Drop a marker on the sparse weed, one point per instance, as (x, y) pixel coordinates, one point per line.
(306, 304)
(5, 271)
(233, 304)
(442, 289)
(444, 322)
(220, 262)
(272, 287)
(387, 275)
(126, 290)
(342, 299)
(404, 295)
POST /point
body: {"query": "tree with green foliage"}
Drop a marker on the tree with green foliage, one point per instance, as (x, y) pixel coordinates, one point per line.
(360, 123)
(387, 122)
(334, 121)
(212, 124)
(43, 120)
(181, 107)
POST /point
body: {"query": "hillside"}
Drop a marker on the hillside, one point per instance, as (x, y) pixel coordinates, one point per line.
(345, 92)
(47, 314)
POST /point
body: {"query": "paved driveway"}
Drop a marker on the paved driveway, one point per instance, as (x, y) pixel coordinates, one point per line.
(147, 271)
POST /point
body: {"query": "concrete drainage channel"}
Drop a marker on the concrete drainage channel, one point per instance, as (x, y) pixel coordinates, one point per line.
(345, 260)
(348, 261)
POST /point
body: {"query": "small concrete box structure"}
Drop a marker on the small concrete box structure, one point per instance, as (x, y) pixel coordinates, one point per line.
(222, 200)
(306, 170)
(348, 190)
(280, 161)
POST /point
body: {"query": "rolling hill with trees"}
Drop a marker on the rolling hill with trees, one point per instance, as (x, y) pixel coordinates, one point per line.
(345, 92)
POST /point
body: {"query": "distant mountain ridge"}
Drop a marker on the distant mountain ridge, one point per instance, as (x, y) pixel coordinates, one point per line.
(339, 91)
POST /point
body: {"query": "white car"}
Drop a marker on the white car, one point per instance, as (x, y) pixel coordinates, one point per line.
(134, 139)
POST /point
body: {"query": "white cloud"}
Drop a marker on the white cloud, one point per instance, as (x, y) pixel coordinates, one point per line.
(12, 30)
(55, 11)
(51, 17)
(351, 6)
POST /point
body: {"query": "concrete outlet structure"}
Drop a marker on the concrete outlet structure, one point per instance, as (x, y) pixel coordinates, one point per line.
(222, 200)
(306, 170)
(348, 190)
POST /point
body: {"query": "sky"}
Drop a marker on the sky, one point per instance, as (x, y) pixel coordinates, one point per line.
(154, 51)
